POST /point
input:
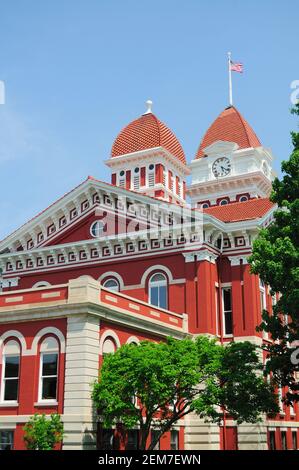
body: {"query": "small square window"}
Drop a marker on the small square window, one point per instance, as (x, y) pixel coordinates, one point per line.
(84, 206)
(61, 258)
(73, 213)
(62, 221)
(94, 253)
(106, 251)
(51, 229)
(142, 245)
(40, 237)
(168, 241)
(19, 265)
(29, 244)
(95, 198)
(130, 247)
(29, 263)
(155, 243)
(107, 200)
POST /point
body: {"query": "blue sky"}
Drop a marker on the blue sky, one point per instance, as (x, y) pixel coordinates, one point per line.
(76, 72)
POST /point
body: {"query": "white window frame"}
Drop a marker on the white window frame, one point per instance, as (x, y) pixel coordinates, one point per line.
(225, 287)
(40, 378)
(158, 284)
(10, 431)
(224, 202)
(3, 379)
(97, 222)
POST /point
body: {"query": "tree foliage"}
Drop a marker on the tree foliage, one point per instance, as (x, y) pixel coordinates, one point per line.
(42, 433)
(153, 385)
(275, 258)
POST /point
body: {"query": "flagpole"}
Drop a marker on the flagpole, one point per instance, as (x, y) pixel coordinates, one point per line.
(230, 85)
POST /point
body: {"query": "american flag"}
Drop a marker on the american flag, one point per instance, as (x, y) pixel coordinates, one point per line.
(236, 67)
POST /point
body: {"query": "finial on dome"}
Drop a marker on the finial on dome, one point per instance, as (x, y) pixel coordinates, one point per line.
(149, 105)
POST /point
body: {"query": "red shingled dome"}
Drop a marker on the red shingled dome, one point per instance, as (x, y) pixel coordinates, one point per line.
(144, 133)
(229, 126)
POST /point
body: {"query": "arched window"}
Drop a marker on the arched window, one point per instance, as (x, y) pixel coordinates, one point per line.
(48, 372)
(111, 284)
(109, 346)
(41, 284)
(97, 229)
(158, 290)
(243, 198)
(11, 370)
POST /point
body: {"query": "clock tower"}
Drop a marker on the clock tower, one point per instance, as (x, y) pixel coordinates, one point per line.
(231, 165)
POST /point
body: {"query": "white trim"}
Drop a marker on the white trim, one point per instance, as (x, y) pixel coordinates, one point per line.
(41, 376)
(162, 283)
(46, 331)
(226, 287)
(46, 403)
(14, 334)
(132, 339)
(156, 267)
(107, 334)
(3, 380)
(113, 274)
(41, 284)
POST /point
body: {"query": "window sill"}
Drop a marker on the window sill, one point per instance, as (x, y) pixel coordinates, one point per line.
(10, 404)
(46, 403)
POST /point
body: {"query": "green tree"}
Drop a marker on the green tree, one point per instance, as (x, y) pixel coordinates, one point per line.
(153, 385)
(41, 433)
(275, 258)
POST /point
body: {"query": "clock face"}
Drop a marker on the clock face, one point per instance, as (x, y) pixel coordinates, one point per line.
(221, 167)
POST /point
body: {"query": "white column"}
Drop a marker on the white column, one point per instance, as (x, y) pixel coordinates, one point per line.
(200, 435)
(81, 370)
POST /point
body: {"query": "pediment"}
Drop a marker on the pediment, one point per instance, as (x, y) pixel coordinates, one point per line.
(69, 217)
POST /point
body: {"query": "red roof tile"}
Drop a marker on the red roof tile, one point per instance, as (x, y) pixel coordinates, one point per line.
(144, 133)
(229, 126)
(237, 211)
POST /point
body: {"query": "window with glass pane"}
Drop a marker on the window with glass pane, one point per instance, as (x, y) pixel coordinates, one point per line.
(227, 311)
(284, 440)
(111, 284)
(174, 440)
(272, 440)
(49, 363)
(6, 440)
(294, 440)
(158, 290)
(11, 378)
(133, 440)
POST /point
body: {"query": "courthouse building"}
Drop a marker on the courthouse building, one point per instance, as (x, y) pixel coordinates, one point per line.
(145, 256)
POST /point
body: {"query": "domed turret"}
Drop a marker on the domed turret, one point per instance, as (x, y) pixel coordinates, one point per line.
(230, 126)
(147, 157)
